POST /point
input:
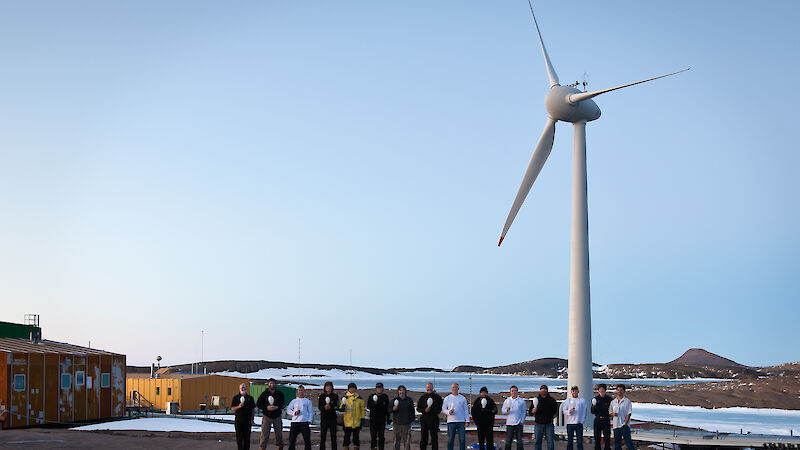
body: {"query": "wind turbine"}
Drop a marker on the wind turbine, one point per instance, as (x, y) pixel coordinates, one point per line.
(568, 104)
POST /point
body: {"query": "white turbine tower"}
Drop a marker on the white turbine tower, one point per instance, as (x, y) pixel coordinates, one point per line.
(568, 104)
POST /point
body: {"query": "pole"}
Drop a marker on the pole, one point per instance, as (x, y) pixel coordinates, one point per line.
(470, 390)
(202, 339)
(579, 367)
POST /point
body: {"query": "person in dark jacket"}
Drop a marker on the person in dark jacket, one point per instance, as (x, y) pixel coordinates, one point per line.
(378, 406)
(430, 406)
(327, 403)
(602, 421)
(403, 415)
(544, 410)
(483, 411)
(244, 408)
(271, 403)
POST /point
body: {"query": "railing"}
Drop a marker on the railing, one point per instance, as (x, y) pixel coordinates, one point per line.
(139, 403)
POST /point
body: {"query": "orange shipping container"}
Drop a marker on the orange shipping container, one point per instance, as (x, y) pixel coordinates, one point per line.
(50, 382)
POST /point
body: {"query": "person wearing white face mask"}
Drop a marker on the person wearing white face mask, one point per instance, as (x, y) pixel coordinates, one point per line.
(455, 407)
(574, 409)
(483, 411)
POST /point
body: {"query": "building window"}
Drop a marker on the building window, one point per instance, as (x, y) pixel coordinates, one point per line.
(66, 380)
(169, 391)
(158, 390)
(105, 380)
(19, 382)
(80, 378)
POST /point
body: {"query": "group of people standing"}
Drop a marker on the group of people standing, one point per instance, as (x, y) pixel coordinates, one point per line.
(401, 411)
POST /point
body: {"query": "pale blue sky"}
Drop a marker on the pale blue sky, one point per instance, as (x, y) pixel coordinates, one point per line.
(341, 172)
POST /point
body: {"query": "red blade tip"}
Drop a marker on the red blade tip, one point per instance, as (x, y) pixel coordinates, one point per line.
(501, 241)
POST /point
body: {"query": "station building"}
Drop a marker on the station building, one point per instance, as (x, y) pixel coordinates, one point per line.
(48, 382)
(192, 392)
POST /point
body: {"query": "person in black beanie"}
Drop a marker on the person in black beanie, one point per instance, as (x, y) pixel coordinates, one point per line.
(483, 411)
(328, 400)
(544, 410)
(429, 406)
(602, 421)
(378, 406)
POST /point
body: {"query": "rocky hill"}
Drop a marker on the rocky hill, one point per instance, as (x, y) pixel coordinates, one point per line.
(548, 367)
(700, 357)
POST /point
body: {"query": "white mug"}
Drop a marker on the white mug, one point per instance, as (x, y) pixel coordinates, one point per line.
(375, 398)
(396, 402)
(536, 402)
(430, 402)
(594, 402)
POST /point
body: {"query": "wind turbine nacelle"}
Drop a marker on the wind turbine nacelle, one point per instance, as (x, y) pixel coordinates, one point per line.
(559, 107)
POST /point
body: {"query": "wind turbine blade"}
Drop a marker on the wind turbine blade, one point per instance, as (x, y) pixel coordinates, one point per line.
(575, 98)
(551, 73)
(540, 154)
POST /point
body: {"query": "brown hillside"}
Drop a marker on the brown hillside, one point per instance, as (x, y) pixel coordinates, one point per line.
(700, 357)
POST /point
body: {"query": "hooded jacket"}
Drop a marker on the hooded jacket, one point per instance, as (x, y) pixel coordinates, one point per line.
(436, 408)
(279, 401)
(405, 411)
(353, 407)
(378, 411)
(484, 416)
(327, 414)
(546, 411)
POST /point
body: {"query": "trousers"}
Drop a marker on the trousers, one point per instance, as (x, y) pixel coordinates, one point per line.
(453, 429)
(485, 436)
(402, 433)
(377, 431)
(602, 427)
(327, 426)
(351, 435)
(429, 428)
(544, 430)
(242, 434)
(620, 434)
(300, 428)
(268, 423)
(575, 430)
(514, 432)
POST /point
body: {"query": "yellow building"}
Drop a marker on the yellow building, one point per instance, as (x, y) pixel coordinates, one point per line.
(189, 390)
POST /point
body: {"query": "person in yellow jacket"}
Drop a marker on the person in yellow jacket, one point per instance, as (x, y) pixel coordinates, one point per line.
(354, 413)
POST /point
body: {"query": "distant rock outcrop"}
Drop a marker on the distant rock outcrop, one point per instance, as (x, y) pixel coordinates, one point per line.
(701, 357)
(549, 367)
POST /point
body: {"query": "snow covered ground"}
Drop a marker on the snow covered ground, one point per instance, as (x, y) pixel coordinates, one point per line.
(162, 424)
(727, 420)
